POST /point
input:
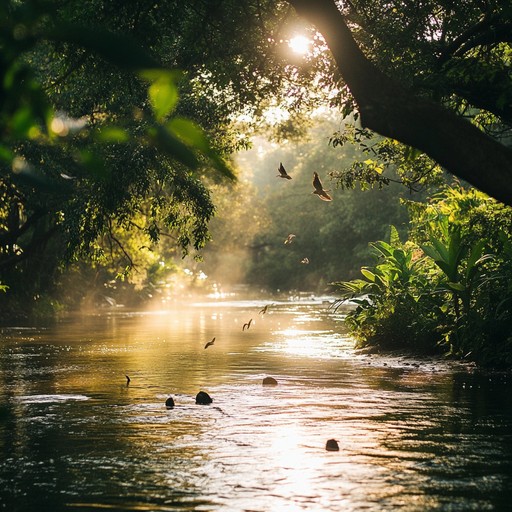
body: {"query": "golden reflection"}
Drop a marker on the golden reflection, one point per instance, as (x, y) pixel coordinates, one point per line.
(262, 444)
(295, 342)
(316, 344)
(294, 465)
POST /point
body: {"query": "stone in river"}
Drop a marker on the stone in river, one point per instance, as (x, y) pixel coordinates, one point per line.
(269, 381)
(203, 398)
(332, 446)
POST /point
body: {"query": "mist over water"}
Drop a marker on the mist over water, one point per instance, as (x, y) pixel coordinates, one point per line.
(414, 435)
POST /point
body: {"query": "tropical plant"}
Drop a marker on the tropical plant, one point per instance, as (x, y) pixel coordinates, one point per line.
(456, 297)
(393, 309)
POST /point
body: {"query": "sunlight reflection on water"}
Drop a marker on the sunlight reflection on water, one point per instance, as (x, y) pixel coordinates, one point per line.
(413, 435)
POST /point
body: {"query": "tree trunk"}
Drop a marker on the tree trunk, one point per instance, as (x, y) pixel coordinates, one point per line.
(393, 111)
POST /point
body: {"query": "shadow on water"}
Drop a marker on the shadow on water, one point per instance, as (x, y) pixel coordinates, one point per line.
(414, 435)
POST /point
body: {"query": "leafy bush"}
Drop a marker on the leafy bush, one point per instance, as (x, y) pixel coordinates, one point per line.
(393, 310)
(447, 288)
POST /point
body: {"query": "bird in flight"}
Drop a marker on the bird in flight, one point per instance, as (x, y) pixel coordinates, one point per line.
(247, 325)
(282, 172)
(289, 238)
(210, 343)
(127, 380)
(264, 310)
(319, 189)
(305, 261)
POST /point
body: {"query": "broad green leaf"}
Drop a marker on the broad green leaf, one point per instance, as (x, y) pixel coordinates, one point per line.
(368, 274)
(22, 122)
(441, 249)
(399, 255)
(431, 252)
(447, 269)
(193, 135)
(189, 132)
(384, 248)
(94, 164)
(163, 95)
(152, 75)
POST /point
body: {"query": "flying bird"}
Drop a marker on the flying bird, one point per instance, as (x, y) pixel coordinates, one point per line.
(264, 310)
(282, 172)
(289, 239)
(247, 325)
(210, 343)
(305, 261)
(127, 380)
(319, 189)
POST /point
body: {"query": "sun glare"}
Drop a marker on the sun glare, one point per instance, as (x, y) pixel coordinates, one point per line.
(299, 44)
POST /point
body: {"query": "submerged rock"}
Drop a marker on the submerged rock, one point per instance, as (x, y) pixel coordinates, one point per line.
(169, 403)
(332, 446)
(203, 398)
(269, 381)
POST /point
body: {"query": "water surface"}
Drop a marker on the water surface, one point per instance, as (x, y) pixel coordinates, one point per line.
(414, 435)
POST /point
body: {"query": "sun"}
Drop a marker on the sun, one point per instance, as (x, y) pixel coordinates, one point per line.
(299, 44)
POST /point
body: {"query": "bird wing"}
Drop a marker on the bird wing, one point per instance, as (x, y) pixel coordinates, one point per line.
(209, 343)
(324, 196)
(317, 183)
(282, 170)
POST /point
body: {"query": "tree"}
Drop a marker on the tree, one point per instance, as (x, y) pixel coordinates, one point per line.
(68, 183)
(479, 38)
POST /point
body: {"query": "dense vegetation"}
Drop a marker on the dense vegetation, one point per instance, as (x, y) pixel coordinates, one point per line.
(447, 287)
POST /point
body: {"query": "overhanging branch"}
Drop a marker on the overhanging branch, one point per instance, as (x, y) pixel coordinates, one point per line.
(393, 111)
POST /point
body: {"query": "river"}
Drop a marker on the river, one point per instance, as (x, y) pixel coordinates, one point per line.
(413, 434)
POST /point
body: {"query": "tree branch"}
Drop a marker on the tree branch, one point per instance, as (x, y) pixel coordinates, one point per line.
(394, 111)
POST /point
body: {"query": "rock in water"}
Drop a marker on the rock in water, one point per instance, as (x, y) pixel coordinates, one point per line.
(169, 403)
(269, 381)
(332, 446)
(203, 398)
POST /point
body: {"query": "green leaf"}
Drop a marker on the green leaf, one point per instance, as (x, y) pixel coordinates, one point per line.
(94, 164)
(447, 269)
(22, 122)
(189, 132)
(458, 287)
(441, 249)
(163, 95)
(384, 248)
(168, 143)
(368, 274)
(476, 252)
(114, 134)
(6, 154)
(431, 252)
